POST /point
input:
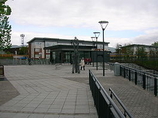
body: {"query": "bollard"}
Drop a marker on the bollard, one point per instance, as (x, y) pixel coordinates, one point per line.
(155, 86)
(144, 81)
(117, 69)
(1, 72)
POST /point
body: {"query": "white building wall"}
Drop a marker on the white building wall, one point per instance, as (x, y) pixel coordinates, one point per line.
(100, 46)
(41, 45)
(32, 50)
(47, 44)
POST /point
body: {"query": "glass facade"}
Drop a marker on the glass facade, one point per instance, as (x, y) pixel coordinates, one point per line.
(66, 56)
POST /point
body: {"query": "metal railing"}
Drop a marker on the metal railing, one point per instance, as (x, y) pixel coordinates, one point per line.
(126, 112)
(143, 78)
(106, 108)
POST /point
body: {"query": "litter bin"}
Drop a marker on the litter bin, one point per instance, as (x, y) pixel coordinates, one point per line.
(117, 69)
(1, 72)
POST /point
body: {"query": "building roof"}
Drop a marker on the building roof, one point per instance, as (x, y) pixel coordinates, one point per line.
(60, 40)
(136, 45)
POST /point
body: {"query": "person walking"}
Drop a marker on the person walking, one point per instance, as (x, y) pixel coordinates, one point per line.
(29, 61)
(82, 64)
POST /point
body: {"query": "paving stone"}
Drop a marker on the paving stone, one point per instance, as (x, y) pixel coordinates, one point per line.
(44, 92)
(36, 116)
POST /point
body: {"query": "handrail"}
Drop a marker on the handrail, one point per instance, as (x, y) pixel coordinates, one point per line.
(143, 76)
(140, 71)
(119, 101)
(104, 93)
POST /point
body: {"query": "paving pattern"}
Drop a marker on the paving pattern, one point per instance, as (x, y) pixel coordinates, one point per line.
(44, 91)
(139, 102)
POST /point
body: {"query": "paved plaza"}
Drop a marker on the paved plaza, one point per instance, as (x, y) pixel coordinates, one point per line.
(44, 91)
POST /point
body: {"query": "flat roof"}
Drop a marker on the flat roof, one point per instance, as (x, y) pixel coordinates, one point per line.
(137, 45)
(58, 40)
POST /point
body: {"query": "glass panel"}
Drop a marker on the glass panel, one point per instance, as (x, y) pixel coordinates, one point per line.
(37, 49)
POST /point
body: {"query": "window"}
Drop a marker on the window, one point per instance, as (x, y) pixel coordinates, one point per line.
(37, 55)
(47, 44)
(37, 49)
(47, 56)
(47, 51)
(38, 43)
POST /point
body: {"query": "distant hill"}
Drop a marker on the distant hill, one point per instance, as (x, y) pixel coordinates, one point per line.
(112, 49)
(15, 46)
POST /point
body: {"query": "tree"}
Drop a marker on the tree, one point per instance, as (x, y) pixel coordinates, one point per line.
(155, 44)
(128, 52)
(23, 51)
(140, 52)
(5, 28)
(118, 48)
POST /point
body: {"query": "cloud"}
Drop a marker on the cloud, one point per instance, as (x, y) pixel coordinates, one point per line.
(120, 41)
(146, 39)
(122, 14)
(149, 38)
(30, 35)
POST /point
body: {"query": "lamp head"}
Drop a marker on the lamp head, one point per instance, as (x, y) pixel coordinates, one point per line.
(96, 34)
(103, 24)
(92, 38)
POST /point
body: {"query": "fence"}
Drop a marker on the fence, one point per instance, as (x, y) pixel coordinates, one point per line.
(24, 61)
(143, 78)
(106, 108)
(147, 79)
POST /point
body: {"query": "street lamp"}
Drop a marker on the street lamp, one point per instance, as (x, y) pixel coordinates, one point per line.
(93, 38)
(103, 26)
(96, 36)
(93, 45)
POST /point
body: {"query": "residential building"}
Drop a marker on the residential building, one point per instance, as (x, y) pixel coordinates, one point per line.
(17, 50)
(134, 48)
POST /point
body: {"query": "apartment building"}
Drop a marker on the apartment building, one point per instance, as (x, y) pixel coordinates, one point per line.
(134, 48)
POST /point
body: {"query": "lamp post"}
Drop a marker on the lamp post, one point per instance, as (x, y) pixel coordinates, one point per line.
(93, 45)
(103, 26)
(96, 36)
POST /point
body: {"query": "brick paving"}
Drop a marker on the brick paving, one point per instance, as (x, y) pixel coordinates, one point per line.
(140, 103)
(43, 91)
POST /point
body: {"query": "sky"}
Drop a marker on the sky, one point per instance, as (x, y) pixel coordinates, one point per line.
(130, 21)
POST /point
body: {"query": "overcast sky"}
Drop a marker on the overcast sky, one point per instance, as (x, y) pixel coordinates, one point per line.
(130, 21)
